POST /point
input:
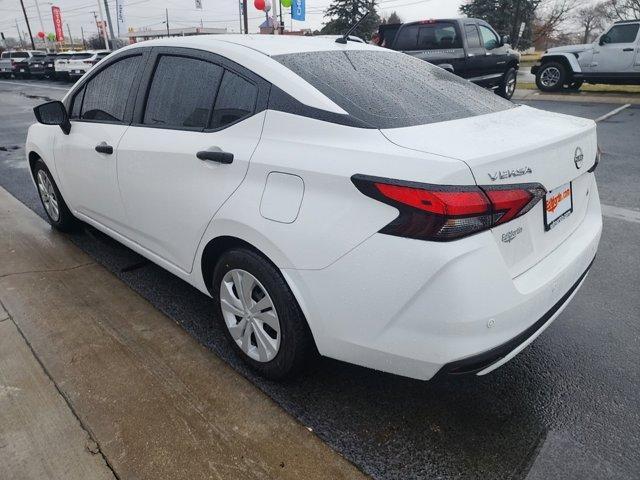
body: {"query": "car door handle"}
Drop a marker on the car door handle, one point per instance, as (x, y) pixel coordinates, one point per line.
(627, 49)
(103, 147)
(216, 155)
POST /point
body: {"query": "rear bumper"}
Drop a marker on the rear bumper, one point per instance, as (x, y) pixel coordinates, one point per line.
(487, 361)
(415, 308)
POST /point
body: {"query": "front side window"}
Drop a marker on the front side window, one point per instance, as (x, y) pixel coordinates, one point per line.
(236, 100)
(623, 33)
(182, 93)
(489, 38)
(386, 89)
(438, 36)
(105, 96)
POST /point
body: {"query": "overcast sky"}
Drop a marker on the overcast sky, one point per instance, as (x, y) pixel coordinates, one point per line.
(182, 13)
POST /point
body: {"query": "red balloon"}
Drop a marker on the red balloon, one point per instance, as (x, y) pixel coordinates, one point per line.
(41, 34)
(259, 4)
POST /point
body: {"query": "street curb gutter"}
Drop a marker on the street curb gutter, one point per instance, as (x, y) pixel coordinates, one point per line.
(157, 404)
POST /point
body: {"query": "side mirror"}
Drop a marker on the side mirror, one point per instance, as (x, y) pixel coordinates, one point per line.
(506, 39)
(53, 113)
(604, 39)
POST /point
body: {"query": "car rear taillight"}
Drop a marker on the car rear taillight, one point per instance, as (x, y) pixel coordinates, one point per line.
(444, 213)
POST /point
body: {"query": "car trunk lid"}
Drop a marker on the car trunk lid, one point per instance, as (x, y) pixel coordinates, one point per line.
(516, 146)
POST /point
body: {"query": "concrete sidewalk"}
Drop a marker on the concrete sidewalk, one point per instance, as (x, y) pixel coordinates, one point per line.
(95, 383)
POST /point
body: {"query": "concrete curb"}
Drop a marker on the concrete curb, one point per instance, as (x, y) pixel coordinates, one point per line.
(155, 403)
(580, 97)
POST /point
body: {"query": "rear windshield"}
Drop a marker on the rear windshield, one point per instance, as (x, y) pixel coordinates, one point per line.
(429, 36)
(388, 89)
(39, 54)
(80, 56)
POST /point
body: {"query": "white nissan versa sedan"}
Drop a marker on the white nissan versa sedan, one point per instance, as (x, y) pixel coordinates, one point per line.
(343, 199)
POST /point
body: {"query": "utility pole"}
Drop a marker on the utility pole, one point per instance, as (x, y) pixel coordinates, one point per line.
(104, 28)
(240, 2)
(46, 42)
(106, 7)
(166, 14)
(104, 31)
(70, 37)
(84, 44)
(246, 18)
(26, 19)
(19, 34)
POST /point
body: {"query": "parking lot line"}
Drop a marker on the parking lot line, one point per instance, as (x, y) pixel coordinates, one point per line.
(612, 113)
(35, 85)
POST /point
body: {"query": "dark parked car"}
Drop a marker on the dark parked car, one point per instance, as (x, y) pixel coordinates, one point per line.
(49, 65)
(468, 47)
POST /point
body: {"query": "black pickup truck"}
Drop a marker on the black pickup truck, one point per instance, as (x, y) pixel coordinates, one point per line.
(468, 47)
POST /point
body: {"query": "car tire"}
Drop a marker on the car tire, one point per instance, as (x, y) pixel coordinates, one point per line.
(507, 87)
(289, 346)
(58, 214)
(551, 77)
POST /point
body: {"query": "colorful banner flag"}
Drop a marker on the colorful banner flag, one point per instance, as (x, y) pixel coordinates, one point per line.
(121, 20)
(298, 10)
(57, 23)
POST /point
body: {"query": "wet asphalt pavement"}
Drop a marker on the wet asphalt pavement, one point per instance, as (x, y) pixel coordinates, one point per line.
(567, 407)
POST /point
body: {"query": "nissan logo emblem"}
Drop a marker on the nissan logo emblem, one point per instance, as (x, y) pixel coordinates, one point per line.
(578, 158)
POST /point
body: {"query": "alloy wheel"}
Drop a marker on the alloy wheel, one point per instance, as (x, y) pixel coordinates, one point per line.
(511, 86)
(250, 315)
(48, 195)
(550, 77)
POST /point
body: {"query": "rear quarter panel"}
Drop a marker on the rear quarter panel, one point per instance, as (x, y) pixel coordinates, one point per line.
(334, 217)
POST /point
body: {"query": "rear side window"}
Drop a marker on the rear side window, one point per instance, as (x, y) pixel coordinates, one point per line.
(236, 100)
(387, 89)
(473, 38)
(105, 97)
(5, 55)
(438, 36)
(407, 38)
(182, 93)
(623, 33)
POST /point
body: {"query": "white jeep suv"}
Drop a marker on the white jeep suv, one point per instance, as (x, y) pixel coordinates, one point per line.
(614, 58)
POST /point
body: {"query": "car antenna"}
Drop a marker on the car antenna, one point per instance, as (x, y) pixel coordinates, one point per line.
(345, 38)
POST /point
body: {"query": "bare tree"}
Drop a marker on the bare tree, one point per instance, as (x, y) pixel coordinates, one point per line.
(592, 18)
(624, 9)
(551, 15)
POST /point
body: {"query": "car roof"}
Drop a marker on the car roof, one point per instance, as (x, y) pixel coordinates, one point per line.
(269, 45)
